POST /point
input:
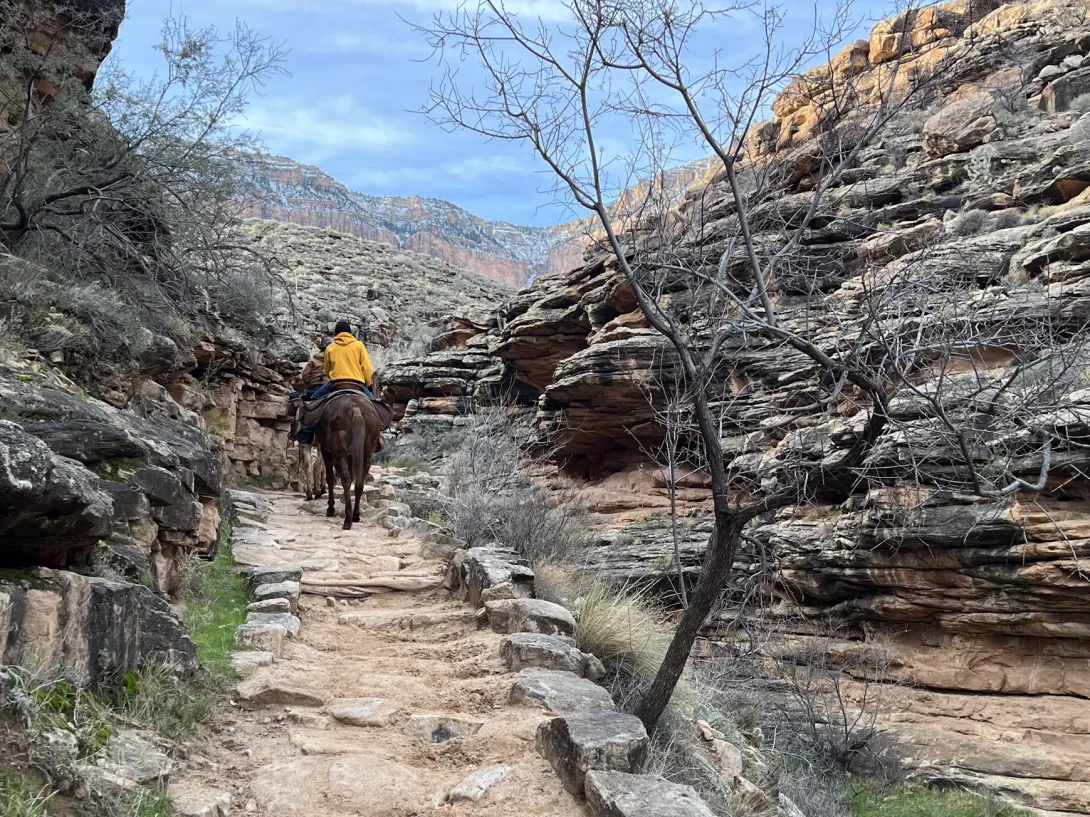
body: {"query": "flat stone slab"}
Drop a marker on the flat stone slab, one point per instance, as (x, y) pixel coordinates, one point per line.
(618, 794)
(248, 662)
(362, 711)
(473, 788)
(529, 616)
(263, 638)
(278, 590)
(556, 652)
(273, 691)
(561, 692)
(441, 728)
(287, 621)
(257, 576)
(601, 741)
(270, 606)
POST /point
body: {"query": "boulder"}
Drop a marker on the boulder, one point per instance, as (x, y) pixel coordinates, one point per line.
(554, 652)
(286, 591)
(1058, 95)
(618, 794)
(490, 573)
(529, 616)
(560, 692)
(51, 508)
(961, 125)
(290, 623)
(274, 605)
(257, 576)
(247, 662)
(603, 741)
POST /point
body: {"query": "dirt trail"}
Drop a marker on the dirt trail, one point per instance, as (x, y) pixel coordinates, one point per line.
(419, 651)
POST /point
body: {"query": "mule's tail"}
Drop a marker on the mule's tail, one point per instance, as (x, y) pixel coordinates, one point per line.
(358, 448)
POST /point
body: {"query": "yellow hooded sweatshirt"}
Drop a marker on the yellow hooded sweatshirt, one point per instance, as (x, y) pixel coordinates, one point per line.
(346, 359)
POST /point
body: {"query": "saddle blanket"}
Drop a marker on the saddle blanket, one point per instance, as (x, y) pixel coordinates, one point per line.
(314, 409)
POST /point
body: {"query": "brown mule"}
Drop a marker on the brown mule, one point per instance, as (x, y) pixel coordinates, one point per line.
(347, 435)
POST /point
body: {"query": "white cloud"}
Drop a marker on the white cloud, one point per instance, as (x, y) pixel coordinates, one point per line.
(338, 124)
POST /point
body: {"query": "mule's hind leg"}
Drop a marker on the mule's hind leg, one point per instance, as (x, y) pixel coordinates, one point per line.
(330, 479)
(346, 481)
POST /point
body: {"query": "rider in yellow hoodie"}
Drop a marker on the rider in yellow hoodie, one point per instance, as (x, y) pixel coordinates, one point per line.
(346, 358)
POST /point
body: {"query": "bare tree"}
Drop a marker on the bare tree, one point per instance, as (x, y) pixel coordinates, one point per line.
(727, 282)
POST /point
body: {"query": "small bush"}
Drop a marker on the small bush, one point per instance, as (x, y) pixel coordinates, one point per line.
(1006, 219)
(968, 223)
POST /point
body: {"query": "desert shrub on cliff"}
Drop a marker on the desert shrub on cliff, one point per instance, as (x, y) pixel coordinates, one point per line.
(492, 498)
(117, 197)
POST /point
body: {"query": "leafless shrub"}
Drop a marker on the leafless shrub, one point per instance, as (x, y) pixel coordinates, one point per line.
(968, 223)
(491, 497)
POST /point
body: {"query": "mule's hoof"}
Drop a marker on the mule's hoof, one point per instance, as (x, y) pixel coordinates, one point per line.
(355, 517)
(330, 512)
(347, 526)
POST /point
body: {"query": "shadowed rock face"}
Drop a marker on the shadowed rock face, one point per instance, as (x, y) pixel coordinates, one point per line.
(81, 627)
(982, 607)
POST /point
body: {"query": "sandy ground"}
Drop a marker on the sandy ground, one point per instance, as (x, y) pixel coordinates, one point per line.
(420, 651)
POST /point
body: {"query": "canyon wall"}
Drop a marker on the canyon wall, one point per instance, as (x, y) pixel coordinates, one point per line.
(979, 607)
(283, 190)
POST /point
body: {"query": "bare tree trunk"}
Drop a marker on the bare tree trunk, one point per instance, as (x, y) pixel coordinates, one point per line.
(714, 573)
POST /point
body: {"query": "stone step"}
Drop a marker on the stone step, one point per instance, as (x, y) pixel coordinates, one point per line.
(508, 616)
(281, 691)
(362, 711)
(561, 692)
(521, 650)
(407, 620)
(618, 794)
(603, 741)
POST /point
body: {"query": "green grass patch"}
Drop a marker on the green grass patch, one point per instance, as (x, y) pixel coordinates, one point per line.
(218, 609)
(19, 797)
(907, 800)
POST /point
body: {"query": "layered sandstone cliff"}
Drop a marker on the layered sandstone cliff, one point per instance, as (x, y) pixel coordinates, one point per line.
(980, 607)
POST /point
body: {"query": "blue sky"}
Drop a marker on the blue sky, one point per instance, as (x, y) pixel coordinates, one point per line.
(358, 76)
